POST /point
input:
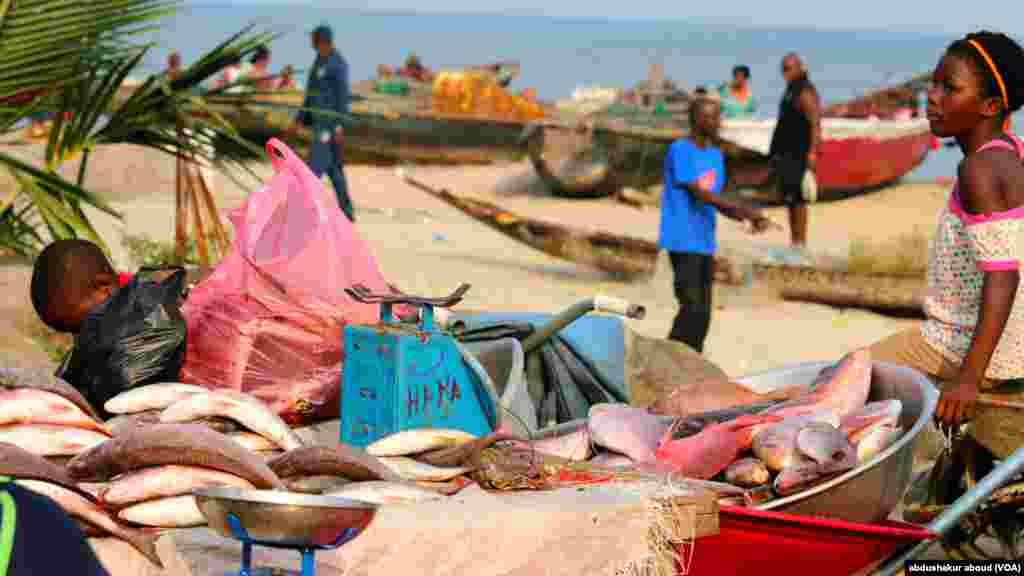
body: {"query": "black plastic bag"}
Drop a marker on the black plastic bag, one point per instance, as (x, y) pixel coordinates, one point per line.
(135, 337)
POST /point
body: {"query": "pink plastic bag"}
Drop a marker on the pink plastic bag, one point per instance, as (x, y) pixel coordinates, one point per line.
(269, 320)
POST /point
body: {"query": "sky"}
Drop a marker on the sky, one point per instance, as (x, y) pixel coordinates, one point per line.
(939, 17)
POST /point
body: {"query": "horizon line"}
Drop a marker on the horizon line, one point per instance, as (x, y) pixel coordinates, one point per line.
(724, 22)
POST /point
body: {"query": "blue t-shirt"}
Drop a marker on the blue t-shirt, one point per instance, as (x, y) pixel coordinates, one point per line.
(687, 224)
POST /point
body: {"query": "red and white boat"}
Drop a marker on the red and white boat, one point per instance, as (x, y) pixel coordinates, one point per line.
(855, 155)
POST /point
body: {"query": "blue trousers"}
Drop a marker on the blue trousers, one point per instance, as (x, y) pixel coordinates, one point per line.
(324, 158)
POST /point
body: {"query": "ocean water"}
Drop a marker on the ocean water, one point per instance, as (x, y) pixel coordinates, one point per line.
(557, 55)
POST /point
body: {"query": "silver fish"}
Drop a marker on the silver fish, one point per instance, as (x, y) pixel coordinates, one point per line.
(243, 408)
(41, 379)
(748, 473)
(29, 406)
(775, 444)
(874, 439)
(50, 440)
(380, 492)
(173, 512)
(825, 444)
(151, 397)
(252, 441)
(413, 470)
(408, 442)
(315, 484)
(165, 482)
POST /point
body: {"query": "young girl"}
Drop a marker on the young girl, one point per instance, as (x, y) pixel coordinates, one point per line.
(973, 335)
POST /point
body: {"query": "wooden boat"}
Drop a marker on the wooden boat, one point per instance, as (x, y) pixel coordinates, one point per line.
(859, 152)
(635, 258)
(390, 128)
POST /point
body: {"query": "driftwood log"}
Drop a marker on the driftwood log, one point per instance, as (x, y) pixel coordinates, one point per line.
(903, 294)
(623, 255)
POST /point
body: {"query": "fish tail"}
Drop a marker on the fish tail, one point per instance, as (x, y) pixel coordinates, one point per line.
(145, 543)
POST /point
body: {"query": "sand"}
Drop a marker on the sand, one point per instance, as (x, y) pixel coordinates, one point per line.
(426, 247)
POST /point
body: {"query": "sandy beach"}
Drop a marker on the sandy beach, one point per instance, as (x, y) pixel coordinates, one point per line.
(426, 247)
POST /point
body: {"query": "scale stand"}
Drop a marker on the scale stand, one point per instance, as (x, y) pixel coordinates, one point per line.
(308, 563)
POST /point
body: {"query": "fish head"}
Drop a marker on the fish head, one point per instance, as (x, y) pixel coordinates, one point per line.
(826, 445)
(774, 450)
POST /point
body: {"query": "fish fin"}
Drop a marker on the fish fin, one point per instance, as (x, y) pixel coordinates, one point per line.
(145, 543)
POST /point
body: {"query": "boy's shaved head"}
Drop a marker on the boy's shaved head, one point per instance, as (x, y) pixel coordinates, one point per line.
(69, 278)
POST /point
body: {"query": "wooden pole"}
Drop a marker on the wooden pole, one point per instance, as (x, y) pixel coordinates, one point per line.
(220, 235)
(180, 210)
(192, 185)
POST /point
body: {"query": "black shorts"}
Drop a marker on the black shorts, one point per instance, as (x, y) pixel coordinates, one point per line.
(789, 176)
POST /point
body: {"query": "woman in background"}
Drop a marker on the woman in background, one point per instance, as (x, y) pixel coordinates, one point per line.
(736, 98)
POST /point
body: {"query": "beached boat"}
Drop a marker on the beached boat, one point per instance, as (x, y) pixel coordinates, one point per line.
(393, 120)
(636, 258)
(625, 147)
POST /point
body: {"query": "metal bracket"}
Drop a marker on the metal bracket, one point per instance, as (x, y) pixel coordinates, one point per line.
(361, 293)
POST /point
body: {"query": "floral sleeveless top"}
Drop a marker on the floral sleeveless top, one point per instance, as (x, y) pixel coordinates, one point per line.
(965, 246)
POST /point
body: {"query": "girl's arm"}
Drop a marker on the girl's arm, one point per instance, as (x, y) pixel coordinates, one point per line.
(980, 194)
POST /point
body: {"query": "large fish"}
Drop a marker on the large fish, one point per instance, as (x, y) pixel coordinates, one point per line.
(50, 440)
(336, 460)
(882, 412)
(165, 482)
(704, 455)
(826, 444)
(173, 512)
(415, 471)
(776, 444)
(463, 453)
(843, 387)
(20, 463)
(409, 442)
(124, 422)
(315, 484)
(243, 408)
(163, 444)
(612, 460)
(804, 474)
(151, 397)
(86, 510)
(627, 430)
(40, 379)
(694, 423)
(575, 446)
(253, 441)
(712, 394)
(747, 473)
(379, 492)
(28, 406)
(873, 439)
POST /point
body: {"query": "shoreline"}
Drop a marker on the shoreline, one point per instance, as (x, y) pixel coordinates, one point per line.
(427, 248)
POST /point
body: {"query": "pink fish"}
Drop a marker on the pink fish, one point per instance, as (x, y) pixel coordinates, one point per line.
(31, 406)
(627, 430)
(843, 388)
(704, 455)
(885, 412)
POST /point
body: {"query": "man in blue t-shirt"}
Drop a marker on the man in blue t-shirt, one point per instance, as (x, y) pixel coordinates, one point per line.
(694, 177)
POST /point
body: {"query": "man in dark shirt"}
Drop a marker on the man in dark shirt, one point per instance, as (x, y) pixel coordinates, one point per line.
(327, 89)
(795, 143)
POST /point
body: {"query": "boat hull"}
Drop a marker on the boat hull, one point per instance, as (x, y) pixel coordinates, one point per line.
(856, 156)
(380, 137)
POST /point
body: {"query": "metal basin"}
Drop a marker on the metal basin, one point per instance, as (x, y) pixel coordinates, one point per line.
(870, 492)
(283, 518)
